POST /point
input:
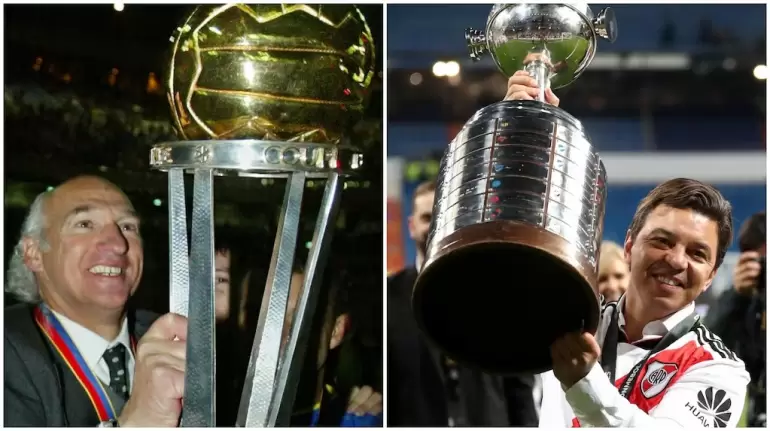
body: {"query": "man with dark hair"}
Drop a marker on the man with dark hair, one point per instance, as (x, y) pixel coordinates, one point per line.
(424, 387)
(223, 288)
(739, 314)
(422, 215)
(652, 362)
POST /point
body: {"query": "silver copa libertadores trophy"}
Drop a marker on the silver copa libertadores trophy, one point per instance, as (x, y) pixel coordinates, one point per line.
(512, 255)
(260, 91)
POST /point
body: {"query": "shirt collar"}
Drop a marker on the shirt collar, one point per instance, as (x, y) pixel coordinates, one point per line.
(90, 344)
(418, 261)
(656, 328)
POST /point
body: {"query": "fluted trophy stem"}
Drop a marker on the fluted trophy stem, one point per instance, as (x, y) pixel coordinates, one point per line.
(541, 72)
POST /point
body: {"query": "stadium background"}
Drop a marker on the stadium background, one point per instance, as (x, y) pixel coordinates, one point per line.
(84, 94)
(680, 94)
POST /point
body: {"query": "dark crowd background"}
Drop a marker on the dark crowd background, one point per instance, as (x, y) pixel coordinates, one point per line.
(84, 94)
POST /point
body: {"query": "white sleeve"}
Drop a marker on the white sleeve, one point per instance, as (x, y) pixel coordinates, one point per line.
(554, 410)
(708, 395)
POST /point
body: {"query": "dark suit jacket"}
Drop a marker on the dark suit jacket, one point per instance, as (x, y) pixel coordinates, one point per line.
(416, 391)
(40, 390)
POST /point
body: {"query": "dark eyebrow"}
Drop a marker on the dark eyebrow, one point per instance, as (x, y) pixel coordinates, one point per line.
(663, 232)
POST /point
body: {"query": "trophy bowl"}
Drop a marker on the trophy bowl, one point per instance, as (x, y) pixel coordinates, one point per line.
(513, 249)
(516, 34)
(280, 72)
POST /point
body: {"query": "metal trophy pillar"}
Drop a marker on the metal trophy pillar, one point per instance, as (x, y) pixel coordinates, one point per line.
(272, 373)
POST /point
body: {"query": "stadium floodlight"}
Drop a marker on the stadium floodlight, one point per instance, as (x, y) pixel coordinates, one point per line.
(451, 68)
(439, 68)
(760, 72)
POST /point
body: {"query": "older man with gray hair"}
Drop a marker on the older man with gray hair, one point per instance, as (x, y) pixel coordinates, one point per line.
(20, 281)
(71, 351)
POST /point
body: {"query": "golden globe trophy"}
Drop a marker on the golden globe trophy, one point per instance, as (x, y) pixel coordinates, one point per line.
(259, 91)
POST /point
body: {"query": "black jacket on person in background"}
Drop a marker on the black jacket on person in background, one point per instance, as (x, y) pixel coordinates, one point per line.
(418, 391)
(739, 321)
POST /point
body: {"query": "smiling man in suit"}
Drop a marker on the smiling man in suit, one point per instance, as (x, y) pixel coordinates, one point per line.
(71, 351)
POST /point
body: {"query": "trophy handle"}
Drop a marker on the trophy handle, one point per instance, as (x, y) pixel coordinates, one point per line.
(605, 25)
(477, 43)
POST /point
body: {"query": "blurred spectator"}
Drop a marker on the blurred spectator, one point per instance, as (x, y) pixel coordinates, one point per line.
(668, 34)
(232, 343)
(739, 315)
(341, 347)
(68, 128)
(613, 272)
(706, 33)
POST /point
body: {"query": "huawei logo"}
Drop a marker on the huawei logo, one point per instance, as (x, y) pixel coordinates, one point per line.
(714, 407)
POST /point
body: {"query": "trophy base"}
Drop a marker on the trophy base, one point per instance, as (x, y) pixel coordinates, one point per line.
(497, 294)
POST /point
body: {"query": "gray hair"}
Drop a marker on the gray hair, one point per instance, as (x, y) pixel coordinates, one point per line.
(20, 280)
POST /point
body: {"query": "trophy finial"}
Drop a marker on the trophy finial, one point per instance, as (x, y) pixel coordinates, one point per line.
(477, 43)
(605, 25)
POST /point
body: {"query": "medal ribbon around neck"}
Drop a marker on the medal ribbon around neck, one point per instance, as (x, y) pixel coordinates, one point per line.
(63, 344)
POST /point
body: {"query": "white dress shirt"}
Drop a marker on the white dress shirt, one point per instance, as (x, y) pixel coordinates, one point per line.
(92, 346)
(694, 383)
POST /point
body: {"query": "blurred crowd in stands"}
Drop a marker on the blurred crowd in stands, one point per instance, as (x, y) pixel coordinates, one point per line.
(63, 126)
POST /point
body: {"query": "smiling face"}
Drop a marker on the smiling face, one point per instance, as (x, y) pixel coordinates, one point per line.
(613, 277)
(673, 258)
(92, 257)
